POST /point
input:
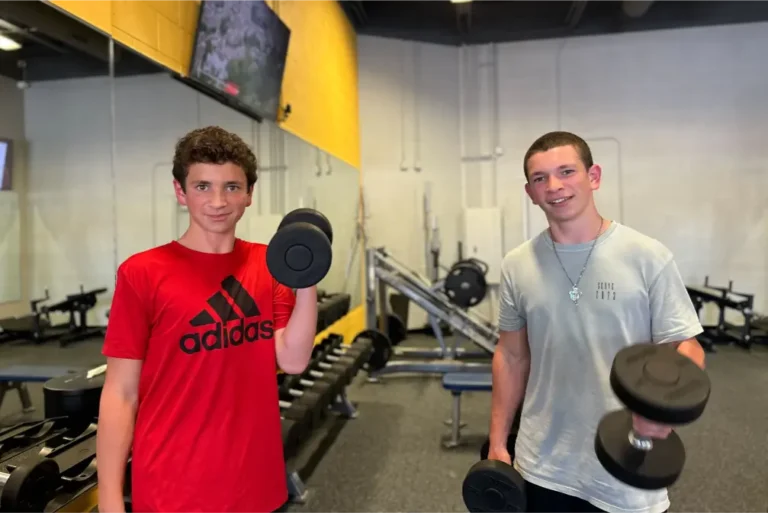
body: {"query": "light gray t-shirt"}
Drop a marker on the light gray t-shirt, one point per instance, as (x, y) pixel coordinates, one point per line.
(631, 292)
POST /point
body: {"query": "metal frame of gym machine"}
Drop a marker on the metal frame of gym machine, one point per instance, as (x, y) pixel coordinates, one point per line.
(382, 271)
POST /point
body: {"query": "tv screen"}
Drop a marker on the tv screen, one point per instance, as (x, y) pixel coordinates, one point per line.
(240, 51)
(5, 165)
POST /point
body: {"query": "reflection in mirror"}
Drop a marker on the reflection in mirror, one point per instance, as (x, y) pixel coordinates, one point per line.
(68, 198)
(153, 111)
(10, 247)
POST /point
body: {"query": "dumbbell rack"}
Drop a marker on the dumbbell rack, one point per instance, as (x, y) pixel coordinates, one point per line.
(382, 271)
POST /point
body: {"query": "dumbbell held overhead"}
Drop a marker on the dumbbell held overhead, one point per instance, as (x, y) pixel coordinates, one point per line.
(657, 383)
(299, 255)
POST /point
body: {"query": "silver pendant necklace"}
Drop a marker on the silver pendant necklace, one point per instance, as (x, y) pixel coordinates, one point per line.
(575, 292)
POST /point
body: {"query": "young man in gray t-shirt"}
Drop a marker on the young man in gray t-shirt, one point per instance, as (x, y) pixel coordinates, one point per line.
(566, 308)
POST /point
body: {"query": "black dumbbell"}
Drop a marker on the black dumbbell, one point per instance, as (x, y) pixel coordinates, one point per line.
(292, 432)
(492, 485)
(299, 255)
(657, 383)
(30, 485)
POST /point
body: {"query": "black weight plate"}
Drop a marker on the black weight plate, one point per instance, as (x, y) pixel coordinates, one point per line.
(660, 384)
(311, 216)
(649, 470)
(492, 485)
(396, 329)
(30, 486)
(299, 255)
(382, 348)
(465, 285)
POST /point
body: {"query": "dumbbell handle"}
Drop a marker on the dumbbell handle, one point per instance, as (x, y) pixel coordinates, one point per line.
(641, 443)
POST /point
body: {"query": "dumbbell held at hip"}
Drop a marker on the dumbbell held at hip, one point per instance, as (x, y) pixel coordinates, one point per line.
(299, 255)
(659, 387)
(493, 485)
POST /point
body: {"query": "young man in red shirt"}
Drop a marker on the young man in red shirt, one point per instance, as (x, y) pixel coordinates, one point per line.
(197, 329)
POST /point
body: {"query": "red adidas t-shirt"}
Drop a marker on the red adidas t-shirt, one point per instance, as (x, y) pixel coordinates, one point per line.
(207, 434)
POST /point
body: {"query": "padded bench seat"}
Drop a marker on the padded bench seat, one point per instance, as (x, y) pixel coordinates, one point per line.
(15, 377)
(458, 383)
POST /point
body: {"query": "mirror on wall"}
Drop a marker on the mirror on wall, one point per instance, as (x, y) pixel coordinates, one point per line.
(153, 110)
(10, 244)
(64, 186)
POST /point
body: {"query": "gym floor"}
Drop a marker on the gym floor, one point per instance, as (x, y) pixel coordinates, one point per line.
(391, 459)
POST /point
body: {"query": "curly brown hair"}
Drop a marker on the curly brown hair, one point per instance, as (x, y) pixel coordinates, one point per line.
(212, 145)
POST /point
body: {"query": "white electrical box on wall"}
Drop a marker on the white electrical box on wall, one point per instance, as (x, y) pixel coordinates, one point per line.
(482, 238)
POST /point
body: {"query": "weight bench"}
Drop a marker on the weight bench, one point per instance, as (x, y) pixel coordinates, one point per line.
(16, 377)
(457, 383)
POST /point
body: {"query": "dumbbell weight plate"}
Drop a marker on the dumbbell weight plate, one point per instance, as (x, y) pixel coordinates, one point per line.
(492, 485)
(649, 470)
(660, 384)
(299, 255)
(465, 284)
(382, 348)
(30, 486)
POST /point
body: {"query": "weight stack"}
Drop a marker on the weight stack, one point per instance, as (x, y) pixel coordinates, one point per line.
(73, 396)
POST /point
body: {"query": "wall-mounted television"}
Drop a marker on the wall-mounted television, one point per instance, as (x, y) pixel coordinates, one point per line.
(6, 165)
(240, 52)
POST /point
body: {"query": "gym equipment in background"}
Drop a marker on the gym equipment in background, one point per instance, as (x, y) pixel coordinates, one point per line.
(384, 271)
(659, 384)
(299, 255)
(38, 327)
(724, 332)
(465, 283)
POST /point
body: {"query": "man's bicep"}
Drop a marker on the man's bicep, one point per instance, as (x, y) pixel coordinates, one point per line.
(673, 316)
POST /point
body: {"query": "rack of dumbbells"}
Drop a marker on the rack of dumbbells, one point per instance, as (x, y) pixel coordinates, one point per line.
(331, 308)
(46, 465)
(314, 404)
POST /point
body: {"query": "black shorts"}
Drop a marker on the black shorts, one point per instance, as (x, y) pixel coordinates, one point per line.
(543, 499)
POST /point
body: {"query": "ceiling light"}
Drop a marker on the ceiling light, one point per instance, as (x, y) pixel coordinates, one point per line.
(7, 44)
(460, 1)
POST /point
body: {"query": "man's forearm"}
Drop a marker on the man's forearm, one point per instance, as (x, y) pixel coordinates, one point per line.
(113, 445)
(297, 341)
(510, 376)
(693, 350)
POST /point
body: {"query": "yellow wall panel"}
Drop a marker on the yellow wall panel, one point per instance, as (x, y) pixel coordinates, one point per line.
(189, 13)
(169, 38)
(320, 79)
(137, 18)
(170, 9)
(96, 13)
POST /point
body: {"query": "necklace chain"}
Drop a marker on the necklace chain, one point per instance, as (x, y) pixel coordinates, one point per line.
(575, 292)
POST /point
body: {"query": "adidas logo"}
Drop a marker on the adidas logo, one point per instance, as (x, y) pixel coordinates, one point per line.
(231, 303)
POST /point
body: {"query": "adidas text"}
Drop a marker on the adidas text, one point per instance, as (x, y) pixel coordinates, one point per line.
(222, 337)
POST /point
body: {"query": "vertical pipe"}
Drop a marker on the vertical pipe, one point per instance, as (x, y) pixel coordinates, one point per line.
(113, 152)
(461, 129)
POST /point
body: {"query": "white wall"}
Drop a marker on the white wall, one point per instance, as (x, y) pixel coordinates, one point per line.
(675, 117)
(96, 199)
(13, 283)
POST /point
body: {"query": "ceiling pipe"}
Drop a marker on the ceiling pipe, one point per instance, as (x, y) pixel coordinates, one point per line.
(635, 9)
